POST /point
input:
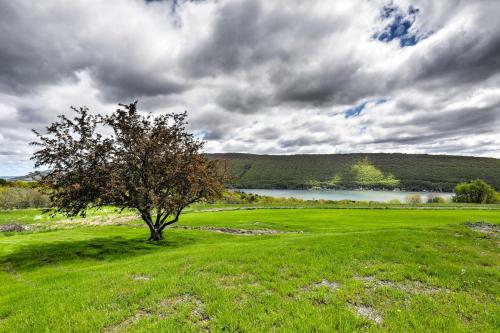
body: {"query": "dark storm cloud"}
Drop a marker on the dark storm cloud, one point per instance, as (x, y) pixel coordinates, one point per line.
(119, 85)
(243, 101)
(430, 126)
(42, 46)
(247, 34)
(31, 52)
(333, 83)
(463, 59)
(467, 120)
(31, 115)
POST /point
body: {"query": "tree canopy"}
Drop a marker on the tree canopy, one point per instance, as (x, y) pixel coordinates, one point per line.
(127, 160)
(476, 191)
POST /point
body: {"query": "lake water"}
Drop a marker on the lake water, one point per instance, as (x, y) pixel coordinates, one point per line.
(356, 195)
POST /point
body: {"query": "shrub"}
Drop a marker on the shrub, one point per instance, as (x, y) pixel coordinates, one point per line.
(413, 198)
(394, 201)
(21, 197)
(435, 199)
(16, 183)
(476, 191)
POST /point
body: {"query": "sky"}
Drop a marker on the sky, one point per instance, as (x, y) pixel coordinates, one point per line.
(266, 77)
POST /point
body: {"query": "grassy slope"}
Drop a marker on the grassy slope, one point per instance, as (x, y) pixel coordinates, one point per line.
(82, 279)
(414, 172)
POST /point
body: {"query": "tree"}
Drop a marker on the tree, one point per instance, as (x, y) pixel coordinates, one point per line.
(126, 160)
(476, 191)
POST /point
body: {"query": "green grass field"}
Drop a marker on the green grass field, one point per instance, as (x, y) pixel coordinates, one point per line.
(322, 270)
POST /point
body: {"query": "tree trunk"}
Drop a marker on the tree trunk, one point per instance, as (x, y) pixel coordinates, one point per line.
(156, 234)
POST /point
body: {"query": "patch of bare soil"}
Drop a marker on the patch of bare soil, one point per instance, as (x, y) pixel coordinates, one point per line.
(12, 228)
(198, 315)
(140, 277)
(234, 280)
(122, 326)
(367, 312)
(484, 227)
(412, 287)
(101, 220)
(87, 221)
(246, 232)
(323, 283)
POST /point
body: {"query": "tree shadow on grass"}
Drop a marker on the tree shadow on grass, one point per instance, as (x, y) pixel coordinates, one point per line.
(96, 249)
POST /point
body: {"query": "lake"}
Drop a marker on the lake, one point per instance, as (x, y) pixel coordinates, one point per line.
(357, 195)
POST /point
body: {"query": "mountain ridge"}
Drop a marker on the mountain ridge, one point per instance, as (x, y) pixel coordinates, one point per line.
(358, 170)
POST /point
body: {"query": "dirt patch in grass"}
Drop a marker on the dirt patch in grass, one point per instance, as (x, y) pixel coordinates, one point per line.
(484, 227)
(234, 280)
(323, 283)
(198, 315)
(233, 231)
(115, 220)
(138, 315)
(367, 312)
(100, 220)
(140, 277)
(12, 228)
(412, 287)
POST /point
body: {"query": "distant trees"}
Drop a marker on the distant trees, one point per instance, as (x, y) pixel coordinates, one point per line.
(19, 194)
(476, 191)
(22, 197)
(414, 172)
(126, 160)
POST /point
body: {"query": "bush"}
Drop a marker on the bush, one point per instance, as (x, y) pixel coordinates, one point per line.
(16, 183)
(476, 191)
(435, 199)
(394, 201)
(21, 197)
(413, 199)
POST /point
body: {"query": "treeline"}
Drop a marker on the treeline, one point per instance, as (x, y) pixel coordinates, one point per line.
(20, 195)
(412, 172)
(236, 197)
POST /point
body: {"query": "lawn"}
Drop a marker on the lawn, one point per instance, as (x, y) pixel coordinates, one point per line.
(320, 270)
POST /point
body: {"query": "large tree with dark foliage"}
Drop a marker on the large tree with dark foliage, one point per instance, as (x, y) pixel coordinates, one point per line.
(127, 160)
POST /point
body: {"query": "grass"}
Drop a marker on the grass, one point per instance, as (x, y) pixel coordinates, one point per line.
(410, 270)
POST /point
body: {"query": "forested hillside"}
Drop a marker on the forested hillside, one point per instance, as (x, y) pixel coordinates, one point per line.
(351, 171)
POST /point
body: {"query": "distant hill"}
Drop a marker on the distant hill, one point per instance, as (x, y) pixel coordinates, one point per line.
(32, 176)
(350, 171)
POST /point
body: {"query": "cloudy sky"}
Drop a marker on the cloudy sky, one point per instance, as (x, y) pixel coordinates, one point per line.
(273, 77)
